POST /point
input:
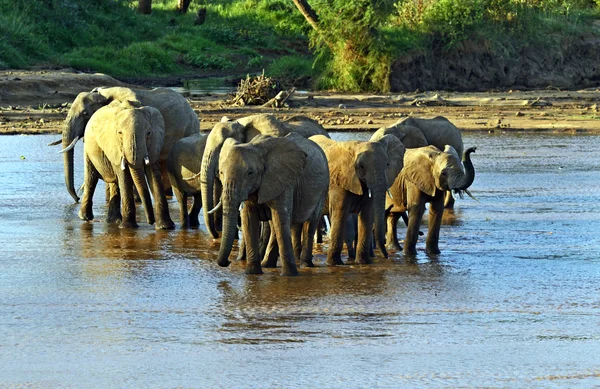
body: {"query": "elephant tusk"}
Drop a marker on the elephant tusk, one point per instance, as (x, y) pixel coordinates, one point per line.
(56, 142)
(80, 190)
(390, 194)
(369, 193)
(216, 208)
(470, 195)
(122, 163)
(147, 160)
(241, 207)
(69, 147)
(192, 177)
(327, 223)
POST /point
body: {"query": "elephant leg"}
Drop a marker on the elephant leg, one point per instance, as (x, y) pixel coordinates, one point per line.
(242, 250)
(436, 211)
(449, 200)
(338, 217)
(164, 173)
(251, 230)
(114, 203)
(127, 199)
(350, 236)
(182, 198)
(163, 219)
(90, 180)
(195, 211)
(281, 227)
(272, 251)
(308, 236)
(296, 231)
(265, 236)
(320, 228)
(365, 235)
(415, 214)
(392, 231)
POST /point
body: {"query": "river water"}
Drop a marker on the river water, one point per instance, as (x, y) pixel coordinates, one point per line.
(513, 301)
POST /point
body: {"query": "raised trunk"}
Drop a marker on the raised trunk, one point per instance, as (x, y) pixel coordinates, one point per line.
(469, 176)
(67, 139)
(230, 218)
(139, 180)
(207, 179)
(379, 220)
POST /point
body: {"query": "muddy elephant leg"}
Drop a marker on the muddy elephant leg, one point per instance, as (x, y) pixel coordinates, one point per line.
(296, 232)
(90, 180)
(195, 211)
(251, 231)
(182, 198)
(320, 228)
(114, 203)
(308, 236)
(415, 214)
(436, 211)
(365, 235)
(449, 200)
(163, 219)
(242, 253)
(272, 250)
(392, 231)
(350, 236)
(265, 236)
(281, 227)
(127, 199)
(164, 174)
(338, 217)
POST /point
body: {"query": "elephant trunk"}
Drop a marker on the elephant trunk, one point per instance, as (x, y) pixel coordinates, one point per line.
(230, 221)
(207, 179)
(69, 135)
(469, 176)
(379, 219)
(139, 180)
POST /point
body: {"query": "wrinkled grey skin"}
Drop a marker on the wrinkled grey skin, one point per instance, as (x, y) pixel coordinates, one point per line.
(184, 161)
(427, 174)
(417, 132)
(122, 147)
(282, 179)
(242, 130)
(357, 169)
(180, 119)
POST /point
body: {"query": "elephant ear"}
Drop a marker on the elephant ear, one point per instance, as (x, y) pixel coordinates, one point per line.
(395, 151)
(284, 163)
(341, 158)
(418, 168)
(265, 124)
(157, 132)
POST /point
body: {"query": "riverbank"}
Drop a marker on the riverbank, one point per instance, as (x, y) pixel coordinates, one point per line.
(36, 102)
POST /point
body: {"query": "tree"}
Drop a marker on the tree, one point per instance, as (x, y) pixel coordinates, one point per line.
(145, 7)
(308, 13)
(183, 5)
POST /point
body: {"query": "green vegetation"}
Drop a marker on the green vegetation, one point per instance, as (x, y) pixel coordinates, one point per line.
(353, 49)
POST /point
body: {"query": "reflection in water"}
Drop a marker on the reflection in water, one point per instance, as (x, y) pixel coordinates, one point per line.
(92, 305)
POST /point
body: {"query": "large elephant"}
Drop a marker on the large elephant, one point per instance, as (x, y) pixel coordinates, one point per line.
(418, 132)
(122, 147)
(180, 119)
(243, 130)
(282, 179)
(360, 174)
(427, 174)
(183, 163)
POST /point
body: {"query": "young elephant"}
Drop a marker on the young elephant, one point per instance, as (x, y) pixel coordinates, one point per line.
(427, 174)
(282, 179)
(361, 172)
(122, 147)
(184, 162)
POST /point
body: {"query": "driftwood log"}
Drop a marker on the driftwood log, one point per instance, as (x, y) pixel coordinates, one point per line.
(256, 90)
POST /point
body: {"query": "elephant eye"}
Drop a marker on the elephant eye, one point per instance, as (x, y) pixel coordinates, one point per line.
(148, 133)
(85, 113)
(250, 173)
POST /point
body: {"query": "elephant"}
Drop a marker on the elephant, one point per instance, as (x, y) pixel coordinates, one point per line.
(180, 119)
(242, 130)
(418, 132)
(360, 174)
(183, 162)
(427, 175)
(281, 179)
(122, 147)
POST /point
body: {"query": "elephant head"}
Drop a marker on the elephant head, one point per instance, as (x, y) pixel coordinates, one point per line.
(263, 168)
(242, 130)
(431, 169)
(367, 168)
(82, 109)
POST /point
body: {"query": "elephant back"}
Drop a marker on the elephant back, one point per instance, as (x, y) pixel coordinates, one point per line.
(438, 132)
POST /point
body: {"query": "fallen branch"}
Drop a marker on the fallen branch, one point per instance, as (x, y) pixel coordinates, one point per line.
(279, 100)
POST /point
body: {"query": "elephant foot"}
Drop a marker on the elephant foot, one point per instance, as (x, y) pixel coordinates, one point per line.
(86, 216)
(365, 260)
(433, 250)
(167, 225)
(241, 255)
(289, 271)
(308, 263)
(268, 263)
(334, 261)
(194, 223)
(410, 250)
(393, 246)
(128, 224)
(253, 268)
(113, 218)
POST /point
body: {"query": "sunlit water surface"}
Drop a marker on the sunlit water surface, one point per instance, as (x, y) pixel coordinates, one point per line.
(513, 301)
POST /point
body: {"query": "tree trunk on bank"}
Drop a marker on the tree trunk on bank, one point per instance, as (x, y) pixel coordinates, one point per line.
(308, 13)
(145, 7)
(183, 5)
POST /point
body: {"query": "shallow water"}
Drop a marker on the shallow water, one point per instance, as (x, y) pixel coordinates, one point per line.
(513, 301)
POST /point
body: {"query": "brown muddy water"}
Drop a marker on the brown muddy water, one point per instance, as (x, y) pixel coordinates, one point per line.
(513, 301)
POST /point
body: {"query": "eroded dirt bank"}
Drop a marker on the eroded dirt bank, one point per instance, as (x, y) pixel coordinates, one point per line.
(34, 102)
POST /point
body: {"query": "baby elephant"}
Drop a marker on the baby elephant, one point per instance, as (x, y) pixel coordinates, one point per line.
(122, 147)
(183, 165)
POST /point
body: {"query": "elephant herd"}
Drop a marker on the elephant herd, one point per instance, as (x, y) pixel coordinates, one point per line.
(275, 180)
